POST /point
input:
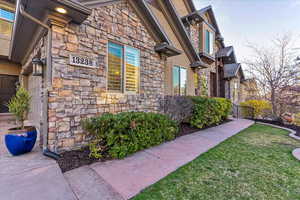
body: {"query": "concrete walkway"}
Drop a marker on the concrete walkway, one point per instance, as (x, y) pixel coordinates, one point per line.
(123, 179)
(30, 176)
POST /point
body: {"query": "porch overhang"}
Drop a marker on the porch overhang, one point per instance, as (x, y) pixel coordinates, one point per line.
(207, 57)
(199, 64)
(167, 50)
(194, 16)
(227, 54)
(231, 70)
(26, 32)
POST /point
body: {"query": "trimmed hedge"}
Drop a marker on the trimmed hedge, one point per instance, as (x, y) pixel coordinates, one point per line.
(209, 111)
(125, 133)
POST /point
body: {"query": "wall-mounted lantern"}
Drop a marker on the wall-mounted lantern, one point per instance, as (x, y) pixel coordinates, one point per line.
(37, 66)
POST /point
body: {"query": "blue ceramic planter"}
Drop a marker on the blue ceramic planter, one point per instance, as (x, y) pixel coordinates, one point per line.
(19, 144)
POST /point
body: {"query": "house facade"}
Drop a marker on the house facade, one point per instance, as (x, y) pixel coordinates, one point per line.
(250, 90)
(82, 58)
(9, 71)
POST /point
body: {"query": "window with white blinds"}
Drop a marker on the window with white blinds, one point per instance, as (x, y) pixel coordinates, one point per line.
(132, 69)
(123, 68)
(6, 22)
(114, 72)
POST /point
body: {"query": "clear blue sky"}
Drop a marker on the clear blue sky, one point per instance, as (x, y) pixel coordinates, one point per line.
(254, 21)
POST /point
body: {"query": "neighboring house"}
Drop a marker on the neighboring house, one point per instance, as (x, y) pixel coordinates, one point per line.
(250, 90)
(111, 56)
(217, 58)
(234, 76)
(290, 99)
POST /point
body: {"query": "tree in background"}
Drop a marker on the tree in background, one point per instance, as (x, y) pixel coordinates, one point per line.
(274, 68)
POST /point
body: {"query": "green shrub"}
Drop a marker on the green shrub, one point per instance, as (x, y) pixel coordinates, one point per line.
(296, 119)
(125, 133)
(209, 111)
(19, 105)
(260, 108)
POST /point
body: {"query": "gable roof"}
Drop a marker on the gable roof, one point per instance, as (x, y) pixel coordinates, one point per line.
(231, 70)
(164, 45)
(228, 55)
(211, 14)
(186, 42)
(224, 52)
(198, 15)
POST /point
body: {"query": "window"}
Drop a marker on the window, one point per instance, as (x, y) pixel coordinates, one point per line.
(123, 68)
(6, 22)
(179, 80)
(132, 69)
(209, 42)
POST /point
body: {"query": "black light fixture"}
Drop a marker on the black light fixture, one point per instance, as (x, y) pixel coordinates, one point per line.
(37, 66)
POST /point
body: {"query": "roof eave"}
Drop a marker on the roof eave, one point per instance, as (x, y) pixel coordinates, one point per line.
(149, 16)
(21, 41)
(182, 31)
(75, 5)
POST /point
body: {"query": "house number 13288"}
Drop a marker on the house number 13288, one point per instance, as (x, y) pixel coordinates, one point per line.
(81, 61)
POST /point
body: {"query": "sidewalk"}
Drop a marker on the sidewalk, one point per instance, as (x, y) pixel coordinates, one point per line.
(30, 176)
(123, 179)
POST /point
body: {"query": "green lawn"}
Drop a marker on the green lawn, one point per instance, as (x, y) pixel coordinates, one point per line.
(255, 164)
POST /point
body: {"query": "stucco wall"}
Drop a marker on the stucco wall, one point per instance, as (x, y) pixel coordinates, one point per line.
(181, 7)
(80, 92)
(181, 60)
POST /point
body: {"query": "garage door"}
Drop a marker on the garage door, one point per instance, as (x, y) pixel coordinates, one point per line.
(7, 90)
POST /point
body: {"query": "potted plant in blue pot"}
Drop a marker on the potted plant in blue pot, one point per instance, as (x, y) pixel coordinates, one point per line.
(22, 139)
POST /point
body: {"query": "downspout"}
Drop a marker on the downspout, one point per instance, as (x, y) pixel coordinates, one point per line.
(47, 83)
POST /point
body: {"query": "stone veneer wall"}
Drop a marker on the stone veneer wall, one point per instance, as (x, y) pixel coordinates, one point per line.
(195, 36)
(80, 92)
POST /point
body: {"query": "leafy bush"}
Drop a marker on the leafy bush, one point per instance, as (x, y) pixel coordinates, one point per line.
(125, 133)
(19, 105)
(296, 120)
(261, 108)
(209, 111)
(178, 108)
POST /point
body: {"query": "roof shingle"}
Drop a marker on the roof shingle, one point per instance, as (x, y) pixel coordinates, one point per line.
(231, 70)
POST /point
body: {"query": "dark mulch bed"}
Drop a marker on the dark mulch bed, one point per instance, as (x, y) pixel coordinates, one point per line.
(73, 159)
(278, 123)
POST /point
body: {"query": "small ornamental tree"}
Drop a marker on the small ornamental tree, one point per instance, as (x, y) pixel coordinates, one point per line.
(19, 105)
(204, 87)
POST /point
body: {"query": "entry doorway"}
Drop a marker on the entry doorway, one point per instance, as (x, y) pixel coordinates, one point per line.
(8, 85)
(213, 84)
(221, 81)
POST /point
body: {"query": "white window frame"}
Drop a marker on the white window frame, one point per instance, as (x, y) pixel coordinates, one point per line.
(186, 86)
(211, 43)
